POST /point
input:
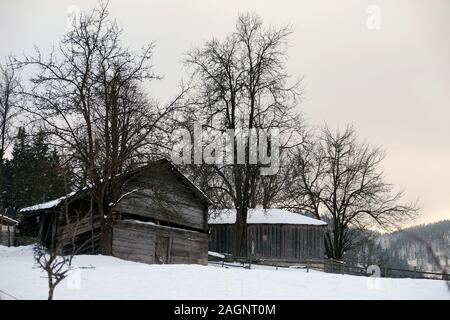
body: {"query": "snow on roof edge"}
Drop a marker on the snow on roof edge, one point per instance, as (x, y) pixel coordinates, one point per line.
(8, 219)
(48, 204)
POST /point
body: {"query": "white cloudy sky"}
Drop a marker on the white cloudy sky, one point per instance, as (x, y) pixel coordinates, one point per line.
(392, 84)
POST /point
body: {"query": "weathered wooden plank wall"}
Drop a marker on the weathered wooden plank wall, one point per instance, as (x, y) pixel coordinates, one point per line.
(159, 194)
(85, 234)
(133, 240)
(7, 236)
(272, 240)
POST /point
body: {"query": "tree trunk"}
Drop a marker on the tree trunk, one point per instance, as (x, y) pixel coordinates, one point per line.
(106, 238)
(51, 289)
(51, 285)
(105, 231)
(329, 250)
(241, 232)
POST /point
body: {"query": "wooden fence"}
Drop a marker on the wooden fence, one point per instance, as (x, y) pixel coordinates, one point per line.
(329, 266)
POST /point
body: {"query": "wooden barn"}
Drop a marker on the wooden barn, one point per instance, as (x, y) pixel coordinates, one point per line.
(271, 234)
(7, 231)
(159, 217)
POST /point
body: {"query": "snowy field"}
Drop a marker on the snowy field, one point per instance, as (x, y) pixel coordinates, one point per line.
(112, 278)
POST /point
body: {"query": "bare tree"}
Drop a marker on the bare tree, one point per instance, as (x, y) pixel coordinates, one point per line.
(241, 83)
(270, 189)
(9, 102)
(57, 267)
(89, 94)
(54, 263)
(51, 259)
(339, 179)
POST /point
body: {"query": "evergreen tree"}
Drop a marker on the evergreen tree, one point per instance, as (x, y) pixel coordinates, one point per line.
(22, 171)
(47, 180)
(34, 174)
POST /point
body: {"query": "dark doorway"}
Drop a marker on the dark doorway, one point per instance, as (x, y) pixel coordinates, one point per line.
(162, 249)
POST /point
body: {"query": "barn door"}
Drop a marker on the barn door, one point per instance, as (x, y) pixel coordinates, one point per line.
(162, 249)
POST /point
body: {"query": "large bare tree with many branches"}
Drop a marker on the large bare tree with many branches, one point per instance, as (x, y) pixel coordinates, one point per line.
(89, 95)
(241, 83)
(339, 179)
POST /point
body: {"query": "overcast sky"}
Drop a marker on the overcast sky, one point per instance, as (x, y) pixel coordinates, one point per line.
(392, 83)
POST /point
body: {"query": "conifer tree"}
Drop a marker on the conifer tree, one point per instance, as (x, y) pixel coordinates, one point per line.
(34, 174)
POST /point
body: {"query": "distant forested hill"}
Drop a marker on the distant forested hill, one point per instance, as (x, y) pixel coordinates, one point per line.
(420, 246)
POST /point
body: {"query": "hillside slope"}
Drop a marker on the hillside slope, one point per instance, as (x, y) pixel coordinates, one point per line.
(112, 278)
(426, 247)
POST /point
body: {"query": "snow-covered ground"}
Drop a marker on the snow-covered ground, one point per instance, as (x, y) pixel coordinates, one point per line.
(112, 278)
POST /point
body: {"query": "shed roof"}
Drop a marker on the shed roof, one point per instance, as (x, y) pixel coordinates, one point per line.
(265, 216)
(8, 220)
(49, 204)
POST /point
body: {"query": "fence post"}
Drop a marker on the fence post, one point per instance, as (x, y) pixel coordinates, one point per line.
(307, 264)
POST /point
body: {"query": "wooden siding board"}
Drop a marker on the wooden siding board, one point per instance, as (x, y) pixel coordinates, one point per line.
(282, 241)
(130, 242)
(163, 195)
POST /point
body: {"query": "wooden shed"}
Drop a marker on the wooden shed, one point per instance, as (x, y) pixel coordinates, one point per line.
(159, 217)
(271, 234)
(7, 231)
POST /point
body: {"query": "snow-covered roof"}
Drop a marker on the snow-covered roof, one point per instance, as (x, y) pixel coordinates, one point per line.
(48, 204)
(261, 216)
(8, 219)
